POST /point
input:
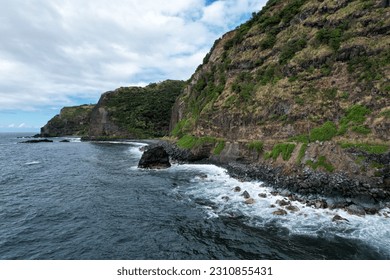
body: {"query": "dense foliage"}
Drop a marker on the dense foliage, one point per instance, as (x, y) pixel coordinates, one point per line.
(144, 111)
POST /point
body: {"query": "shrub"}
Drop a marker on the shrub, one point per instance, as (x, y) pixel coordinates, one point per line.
(286, 149)
(331, 37)
(268, 42)
(299, 100)
(301, 154)
(321, 163)
(302, 138)
(187, 142)
(219, 148)
(361, 129)
(356, 114)
(386, 114)
(291, 48)
(330, 93)
(256, 145)
(369, 148)
(324, 133)
(181, 127)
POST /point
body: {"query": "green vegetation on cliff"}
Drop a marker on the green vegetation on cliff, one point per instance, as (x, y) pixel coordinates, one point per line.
(71, 121)
(128, 112)
(319, 67)
(143, 112)
(298, 73)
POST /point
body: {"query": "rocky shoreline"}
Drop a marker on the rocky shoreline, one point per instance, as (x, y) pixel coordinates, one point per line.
(313, 188)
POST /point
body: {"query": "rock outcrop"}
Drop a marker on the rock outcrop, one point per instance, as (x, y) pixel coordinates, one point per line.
(37, 141)
(155, 158)
(72, 121)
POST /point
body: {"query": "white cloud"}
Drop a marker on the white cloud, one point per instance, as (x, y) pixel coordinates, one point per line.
(53, 51)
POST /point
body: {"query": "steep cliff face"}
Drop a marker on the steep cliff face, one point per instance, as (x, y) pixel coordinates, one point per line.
(127, 112)
(304, 84)
(70, 121)
(135, 112)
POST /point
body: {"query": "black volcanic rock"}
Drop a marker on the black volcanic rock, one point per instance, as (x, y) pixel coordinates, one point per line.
(155, 158)
(37, 141)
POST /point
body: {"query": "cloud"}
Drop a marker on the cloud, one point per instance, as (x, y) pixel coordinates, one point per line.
(55, 51)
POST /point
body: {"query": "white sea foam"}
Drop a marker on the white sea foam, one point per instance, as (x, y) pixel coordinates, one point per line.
(218, 188)
(75, 139)
(32, 163)
(136, 148)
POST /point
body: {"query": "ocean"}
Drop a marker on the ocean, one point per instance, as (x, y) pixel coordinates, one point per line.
(84, 200)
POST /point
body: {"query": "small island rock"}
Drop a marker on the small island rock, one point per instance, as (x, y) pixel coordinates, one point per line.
(155, 158)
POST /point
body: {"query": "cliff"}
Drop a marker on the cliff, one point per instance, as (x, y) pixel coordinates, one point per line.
(135, 112)
(70, 121)
(301, 88)
(127, 112)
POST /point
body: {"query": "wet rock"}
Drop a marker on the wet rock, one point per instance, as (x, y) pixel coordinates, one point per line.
(338, 218)
(250, 201)
(371, 211)
(321, 204)
(292, 208)
(203, 176)
(285, 193)
(283, 202)
(275, 193)
(263, 195)
(246, 195)
(225, 198)
(356, 210)
(237, 189)
(37, 141)
(65, 141)
(272, 206)
(280, 212)
(155, 158)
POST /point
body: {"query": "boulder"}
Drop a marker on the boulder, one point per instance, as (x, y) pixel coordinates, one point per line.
(65, 141)
(338, 218)
(263, 195)
(283, 202)
(250, 201)
(155, 158)
(280, 212)
(237, 189)
(292, 208)
(356, 210)
(246, 195)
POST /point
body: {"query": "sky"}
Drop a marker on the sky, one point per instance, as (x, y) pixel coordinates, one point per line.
(56, 53)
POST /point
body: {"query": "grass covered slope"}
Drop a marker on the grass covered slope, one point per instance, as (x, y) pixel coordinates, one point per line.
(302, 84)
(135, 112)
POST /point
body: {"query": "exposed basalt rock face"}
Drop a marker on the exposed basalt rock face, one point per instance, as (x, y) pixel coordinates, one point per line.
(154, 158)
(70, 121)
(101, 123)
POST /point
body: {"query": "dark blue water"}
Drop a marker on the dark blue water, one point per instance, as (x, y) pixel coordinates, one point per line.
(89, 201)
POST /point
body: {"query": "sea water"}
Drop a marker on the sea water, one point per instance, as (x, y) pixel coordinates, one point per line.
(84, 200)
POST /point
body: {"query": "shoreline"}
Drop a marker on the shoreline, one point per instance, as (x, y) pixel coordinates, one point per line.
(314, 188)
